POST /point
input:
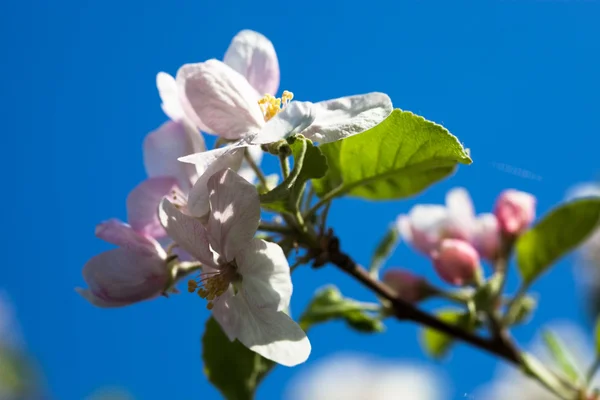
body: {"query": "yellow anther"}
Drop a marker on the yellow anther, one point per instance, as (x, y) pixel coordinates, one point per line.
(210, 305)
(271, 105)
(192, 285)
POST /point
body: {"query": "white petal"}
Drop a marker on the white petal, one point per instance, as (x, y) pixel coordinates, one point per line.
(347, 116)
(294, 118)
(126, 276)
(142, 204)
(186, 231)
(219, 159)
(403, 226)
(164, 146)
(226, 316)
(428, 218)
(234, 213)
(272, 334)
(167, 89)
(459, 204)
(245, 170)
(253, 55)
(221, 98)
(123, 235)
(266, 280)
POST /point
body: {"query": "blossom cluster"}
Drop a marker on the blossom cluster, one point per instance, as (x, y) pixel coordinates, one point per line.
(199, 208)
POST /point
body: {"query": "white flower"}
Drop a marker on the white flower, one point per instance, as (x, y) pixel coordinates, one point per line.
(355, 377)
(512, 384)
(246, 280)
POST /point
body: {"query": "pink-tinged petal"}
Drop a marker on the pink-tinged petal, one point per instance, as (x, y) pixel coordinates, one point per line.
(266, 280)
(126, 276)
(169, 95)
(186, 231)
(227, 157)
(123, 235)
(234, 213)
(222, 98)
(487, 236)
(426, 223)
(294, 118)
(245, 170)
(97, 301)
(270, 333)
(164, 146)
(461, 213)
(339, 118)
(142, 204)
(253, 55)
(515, 211)
(456, 261)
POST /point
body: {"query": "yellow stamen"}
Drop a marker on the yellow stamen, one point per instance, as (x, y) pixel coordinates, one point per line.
(271, 105)
(210, 305)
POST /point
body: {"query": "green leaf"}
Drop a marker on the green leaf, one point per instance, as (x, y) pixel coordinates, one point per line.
(521, 310)
(230, 366)
(329, 304)
(597, 335)
(437, 344)
(309, 163)
(562, 356)
(398, 158)
(385, 247)
(556, 234)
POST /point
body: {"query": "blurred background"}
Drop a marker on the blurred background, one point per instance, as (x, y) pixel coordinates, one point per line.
(517, 82)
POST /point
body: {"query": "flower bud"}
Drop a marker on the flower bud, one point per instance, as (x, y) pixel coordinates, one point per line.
(410, 287)
(456, 262)
(486, 238)
(515, 210)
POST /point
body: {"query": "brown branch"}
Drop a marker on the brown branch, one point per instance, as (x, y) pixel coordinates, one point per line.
(501, 345)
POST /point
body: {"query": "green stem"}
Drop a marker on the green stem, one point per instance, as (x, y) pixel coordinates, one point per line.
(285, 165)
(255, 168)
(267, 227)
(324, 200)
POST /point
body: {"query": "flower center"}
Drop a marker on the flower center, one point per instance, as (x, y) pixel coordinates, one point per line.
(211, 285)
(271, 106)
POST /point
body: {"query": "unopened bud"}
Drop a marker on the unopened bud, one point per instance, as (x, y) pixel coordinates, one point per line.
(410, 287)
(515, 211)
(456, 262)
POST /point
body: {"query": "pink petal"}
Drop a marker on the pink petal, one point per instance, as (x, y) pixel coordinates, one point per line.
(222, 98)
(253, 55)
(143, 201)
(234, 213)
(164, 146)
(186, 231)
(123, 235)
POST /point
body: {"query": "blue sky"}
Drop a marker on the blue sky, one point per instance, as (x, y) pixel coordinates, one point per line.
(517, 82)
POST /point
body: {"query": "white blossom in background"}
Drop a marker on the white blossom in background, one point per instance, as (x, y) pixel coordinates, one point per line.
(359, 377)
(245, 280)
(512, 384)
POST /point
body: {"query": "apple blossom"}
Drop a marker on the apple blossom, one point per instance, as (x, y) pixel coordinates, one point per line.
(515, 211)
(456, 261)
(245, 280)
(137, 270)
(426, 225)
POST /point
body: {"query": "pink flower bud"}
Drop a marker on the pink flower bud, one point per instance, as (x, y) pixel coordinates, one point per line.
(486, 238)
(410, 287)
(515, 211)
(456, 261)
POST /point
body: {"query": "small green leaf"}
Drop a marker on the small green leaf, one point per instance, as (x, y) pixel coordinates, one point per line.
(521, 310)
(533, 367)
(230, 366)
(385, 247)
(329, 304)
(486, 296)
(559, 232)
(309, 163)
(398, 158)
(437, 344)
(562, 356)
